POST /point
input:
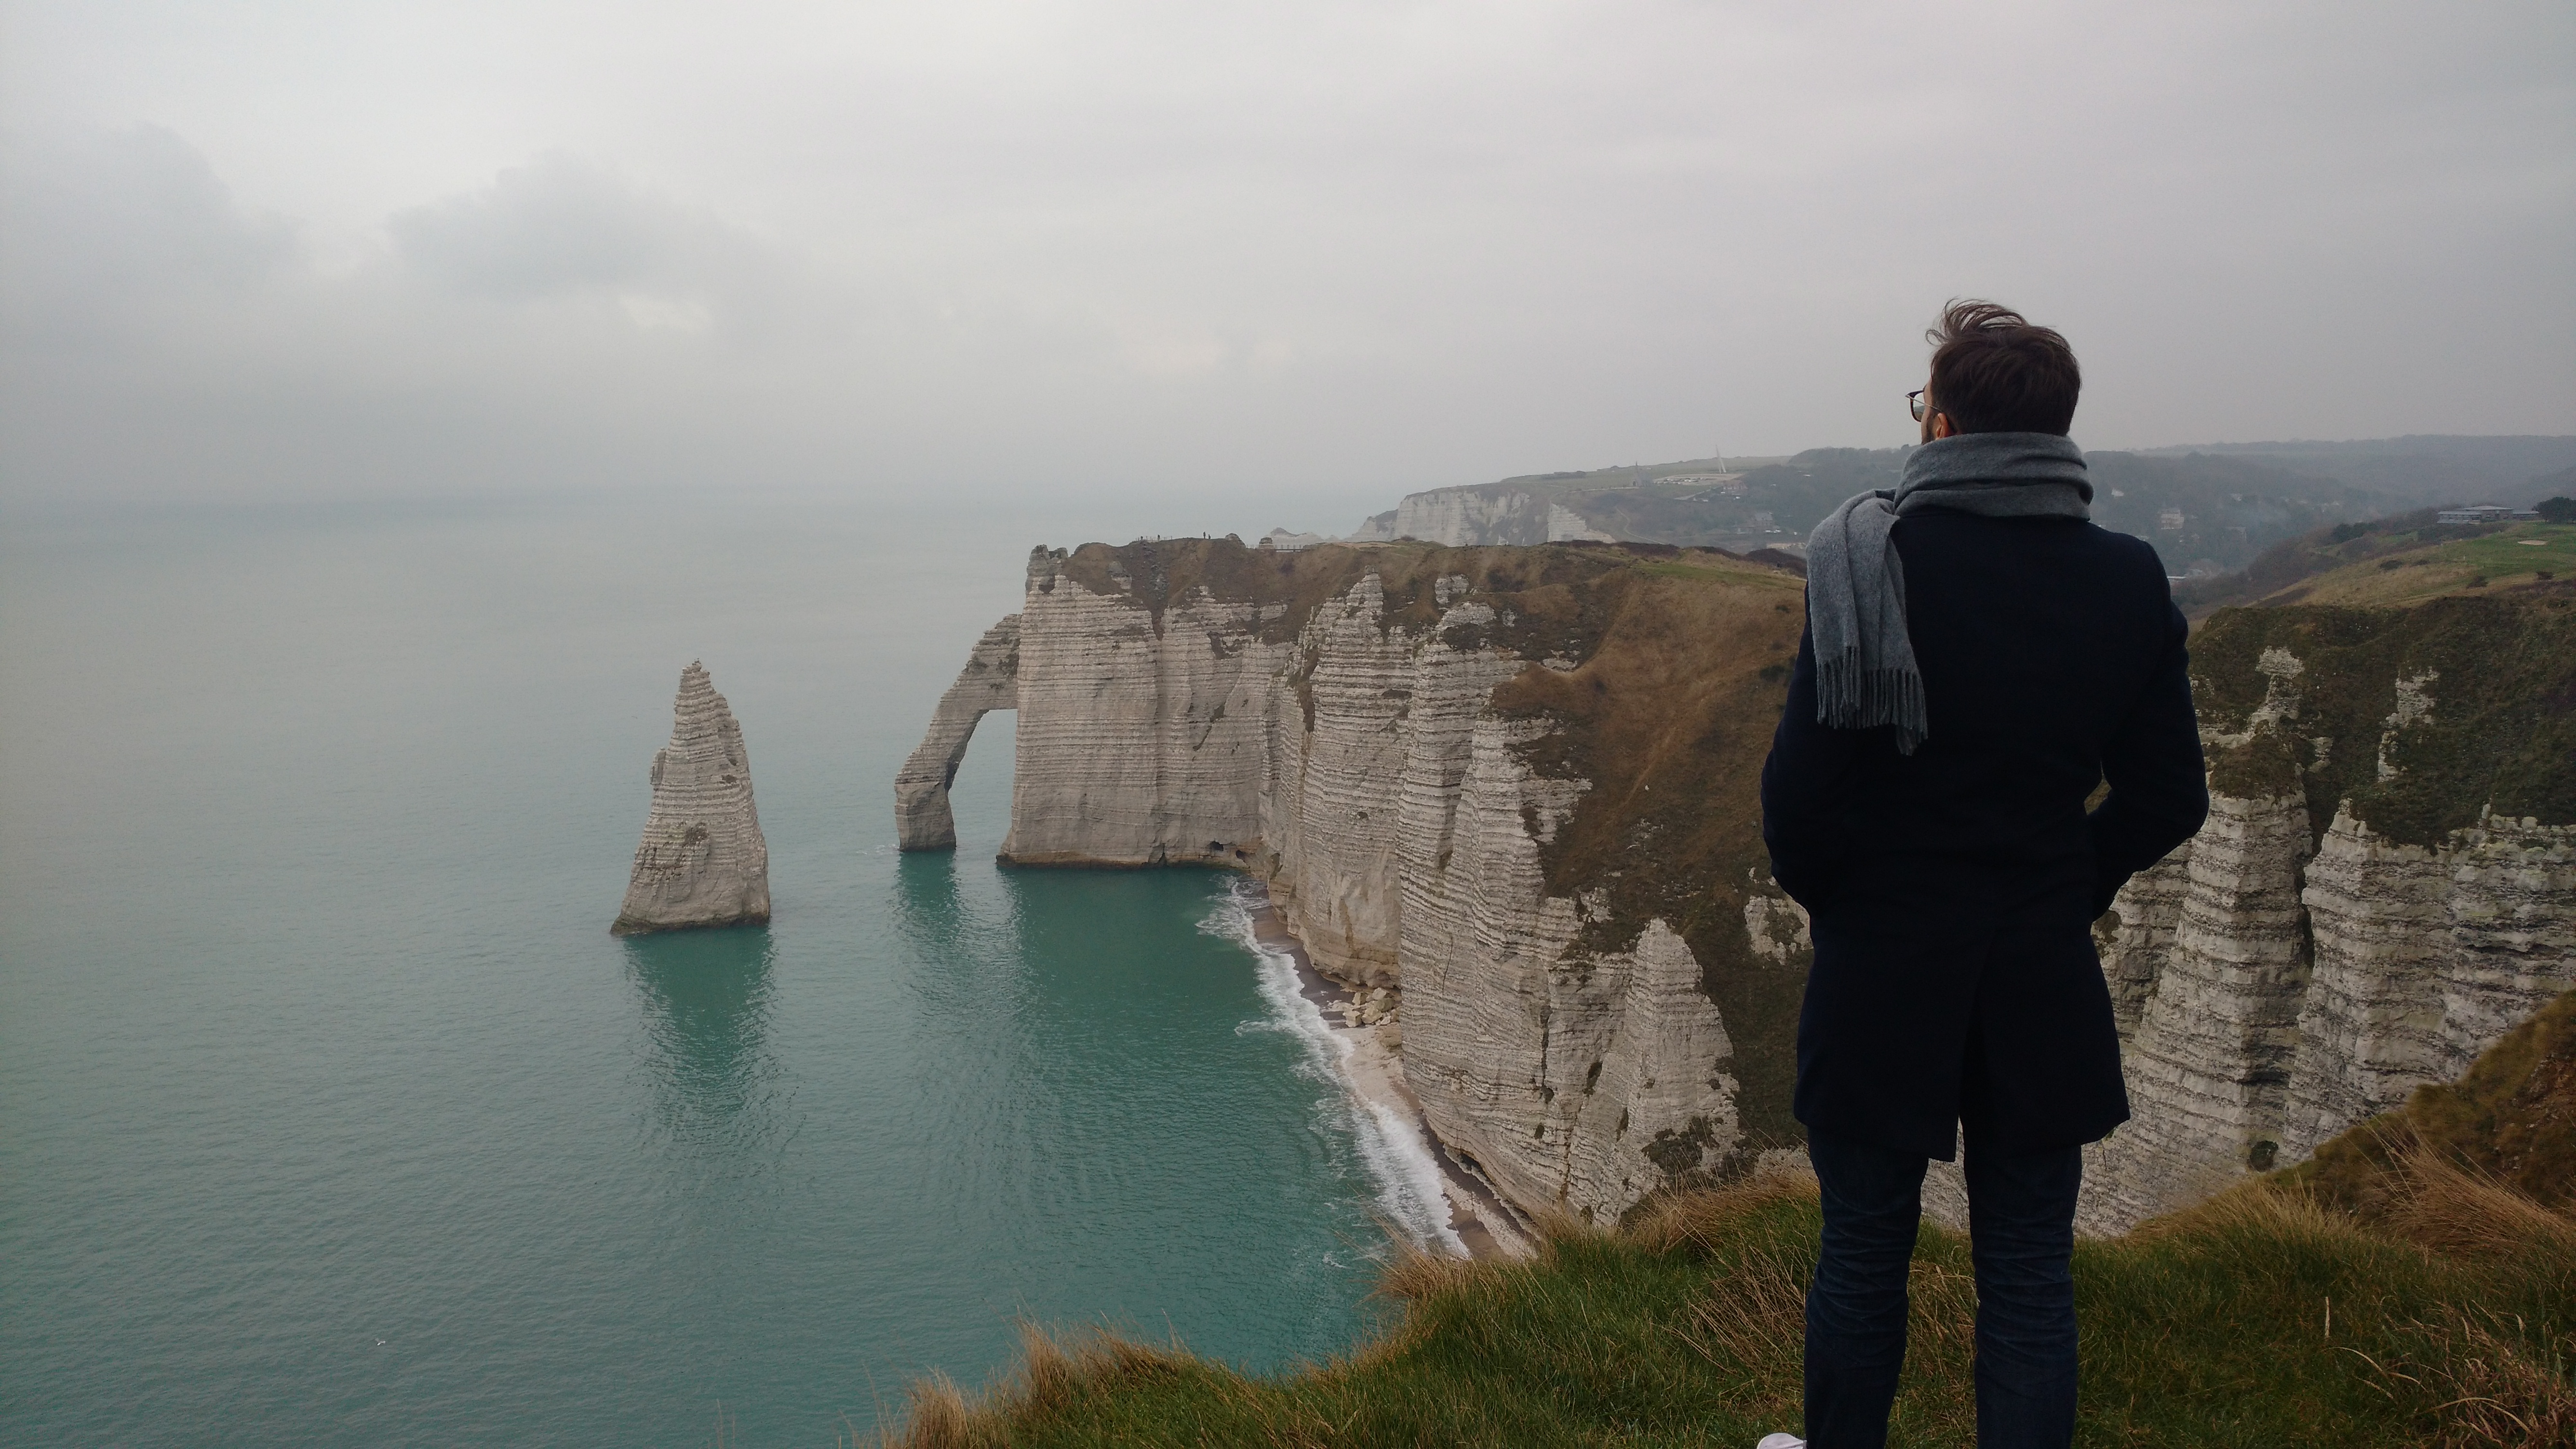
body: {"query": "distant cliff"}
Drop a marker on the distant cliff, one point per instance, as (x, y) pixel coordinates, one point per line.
(2206, 509)
(1518, 784)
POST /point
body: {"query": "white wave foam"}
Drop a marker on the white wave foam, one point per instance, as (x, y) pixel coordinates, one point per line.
(1392, 1149)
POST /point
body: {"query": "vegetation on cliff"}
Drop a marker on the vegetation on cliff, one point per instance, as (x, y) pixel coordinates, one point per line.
(2400, 1293)
(2511, 1118)
(1655, 673)
(1669, 716)
(2392, 562)
(2488, 718)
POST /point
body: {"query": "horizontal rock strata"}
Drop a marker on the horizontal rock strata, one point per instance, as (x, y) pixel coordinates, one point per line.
(1514, 788)
(990, 681)
(702, 861)
(2361, 916)
(1328, 721)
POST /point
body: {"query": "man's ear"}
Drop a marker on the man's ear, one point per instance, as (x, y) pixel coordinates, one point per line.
(1941, 426)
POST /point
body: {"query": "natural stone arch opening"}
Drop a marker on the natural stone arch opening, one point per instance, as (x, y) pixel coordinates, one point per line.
(990, 681)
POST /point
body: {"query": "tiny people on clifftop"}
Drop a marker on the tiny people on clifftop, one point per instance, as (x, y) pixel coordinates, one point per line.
(1979, 657)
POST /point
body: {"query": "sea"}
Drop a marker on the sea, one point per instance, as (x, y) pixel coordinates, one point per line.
(331, 1113)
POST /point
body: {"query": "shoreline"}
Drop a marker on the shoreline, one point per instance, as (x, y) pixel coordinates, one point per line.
(1373, 1072)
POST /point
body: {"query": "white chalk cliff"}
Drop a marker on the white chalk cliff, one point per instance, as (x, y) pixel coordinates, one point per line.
(2293, 970)
(2279, 984)
(1340, 723)
(990, 681)
(1353, 760)
(702, 861)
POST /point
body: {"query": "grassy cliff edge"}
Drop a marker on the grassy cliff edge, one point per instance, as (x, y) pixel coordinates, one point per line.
(2403, 1290)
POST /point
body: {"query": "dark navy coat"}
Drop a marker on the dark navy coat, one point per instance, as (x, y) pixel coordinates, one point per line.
(1952, 892)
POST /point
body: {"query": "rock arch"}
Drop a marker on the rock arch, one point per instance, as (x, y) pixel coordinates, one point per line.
(990, 681)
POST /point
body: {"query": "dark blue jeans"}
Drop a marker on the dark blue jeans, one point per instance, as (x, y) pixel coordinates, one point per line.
(2021, 1211)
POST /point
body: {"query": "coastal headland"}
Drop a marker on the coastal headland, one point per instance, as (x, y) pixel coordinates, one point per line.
(1514, 788)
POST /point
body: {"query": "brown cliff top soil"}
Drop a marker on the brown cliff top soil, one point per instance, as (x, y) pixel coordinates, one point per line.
(1158, 571)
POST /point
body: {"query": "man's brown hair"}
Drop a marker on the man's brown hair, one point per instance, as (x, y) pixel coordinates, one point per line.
(1993, 372)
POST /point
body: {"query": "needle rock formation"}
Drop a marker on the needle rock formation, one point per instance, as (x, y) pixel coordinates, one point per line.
(702, 861)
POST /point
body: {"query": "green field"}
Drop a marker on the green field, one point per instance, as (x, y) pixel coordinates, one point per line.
(2510, 557)
(2517, 552)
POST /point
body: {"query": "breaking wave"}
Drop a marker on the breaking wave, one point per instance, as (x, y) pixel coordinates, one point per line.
(1392, 1149)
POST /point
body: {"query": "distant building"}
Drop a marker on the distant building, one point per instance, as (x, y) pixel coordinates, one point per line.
(2485, 513)
(1762, 523)
(2169, 521)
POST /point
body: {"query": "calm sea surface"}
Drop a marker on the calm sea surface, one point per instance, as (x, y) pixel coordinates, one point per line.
(331, 1113)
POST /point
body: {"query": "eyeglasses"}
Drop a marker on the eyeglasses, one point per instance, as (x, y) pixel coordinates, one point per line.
(1915, 404)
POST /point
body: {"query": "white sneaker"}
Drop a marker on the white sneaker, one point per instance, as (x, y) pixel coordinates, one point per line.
(1781, 1441)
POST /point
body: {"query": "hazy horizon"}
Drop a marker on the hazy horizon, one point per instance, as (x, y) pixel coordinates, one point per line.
(1272, 260)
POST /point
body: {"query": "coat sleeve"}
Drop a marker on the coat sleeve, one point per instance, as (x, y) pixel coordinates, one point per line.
(1806, 788)
(2159, 785)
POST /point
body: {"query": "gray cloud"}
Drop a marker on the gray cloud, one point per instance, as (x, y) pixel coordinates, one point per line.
(105, 226)
(559, 225)
(1003, 245)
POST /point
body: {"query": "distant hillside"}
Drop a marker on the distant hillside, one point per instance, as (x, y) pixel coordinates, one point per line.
(2392, 562)
(2209, 509)
(2419, 468)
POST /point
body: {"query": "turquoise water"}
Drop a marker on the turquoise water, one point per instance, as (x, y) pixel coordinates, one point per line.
(331, 1113)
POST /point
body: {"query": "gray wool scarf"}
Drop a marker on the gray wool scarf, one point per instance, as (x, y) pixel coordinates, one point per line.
(1865, 673)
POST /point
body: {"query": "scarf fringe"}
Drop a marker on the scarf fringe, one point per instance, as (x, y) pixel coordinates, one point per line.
(1849, 697)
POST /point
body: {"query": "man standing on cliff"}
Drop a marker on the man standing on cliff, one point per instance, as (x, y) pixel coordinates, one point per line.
(1979, 658)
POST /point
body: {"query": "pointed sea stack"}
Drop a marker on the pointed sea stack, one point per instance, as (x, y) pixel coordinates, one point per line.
(702, 861)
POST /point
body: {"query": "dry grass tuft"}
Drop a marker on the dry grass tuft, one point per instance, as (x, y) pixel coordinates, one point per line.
(936, 1416)
(2467, 1213)
(1557, 1227)
(1056, 1374)
(2269, 1209)
(1416, 1273)
(2505, 1385)
(2511, 1118)
(1753, 1319)
(1941, 1309)
(1702, 1219)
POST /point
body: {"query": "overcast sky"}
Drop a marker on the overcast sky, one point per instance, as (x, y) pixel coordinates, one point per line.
(965, 249)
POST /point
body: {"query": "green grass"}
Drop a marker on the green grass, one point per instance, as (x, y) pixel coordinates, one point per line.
(2414, 1285)
(2386, 573)
(2517, 551)
(2262, 1319)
